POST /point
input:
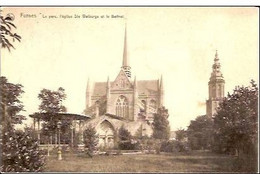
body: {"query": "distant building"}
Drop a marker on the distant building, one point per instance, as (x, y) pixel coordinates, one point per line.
(216, 88)
(123, 101)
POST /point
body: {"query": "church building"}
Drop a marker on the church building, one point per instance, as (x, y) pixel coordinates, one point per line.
(216, 86)
(123, 101)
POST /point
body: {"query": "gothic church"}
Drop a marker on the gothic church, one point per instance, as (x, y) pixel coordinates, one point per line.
(123, 102)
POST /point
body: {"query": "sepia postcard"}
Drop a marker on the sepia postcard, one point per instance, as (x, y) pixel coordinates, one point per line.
(129, 89)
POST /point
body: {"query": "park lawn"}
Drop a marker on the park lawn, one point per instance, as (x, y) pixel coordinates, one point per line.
(194, 162)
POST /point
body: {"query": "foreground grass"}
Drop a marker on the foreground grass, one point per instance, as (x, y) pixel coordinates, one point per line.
(194, 162)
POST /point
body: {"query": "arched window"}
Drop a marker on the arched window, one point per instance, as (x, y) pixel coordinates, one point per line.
(122, 106)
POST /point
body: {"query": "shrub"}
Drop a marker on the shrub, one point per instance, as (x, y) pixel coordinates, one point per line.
(90, 140)
(129, 145)
(126, 142)
(174, 146)
(169, 146)
(20, 152)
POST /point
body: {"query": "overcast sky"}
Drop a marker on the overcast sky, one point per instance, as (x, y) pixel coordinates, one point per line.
(178, 43)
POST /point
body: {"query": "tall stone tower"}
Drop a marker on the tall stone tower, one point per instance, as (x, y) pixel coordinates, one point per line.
(216, 88)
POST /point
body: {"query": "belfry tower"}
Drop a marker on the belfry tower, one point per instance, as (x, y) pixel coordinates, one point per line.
(216, 86)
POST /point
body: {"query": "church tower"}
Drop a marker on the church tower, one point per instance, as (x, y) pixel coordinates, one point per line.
(125, 66)
(216, 86)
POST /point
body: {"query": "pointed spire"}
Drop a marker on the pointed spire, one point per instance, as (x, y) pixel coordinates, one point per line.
(88, 85)
(125, 66)
(108, 82)
(216, 56)
(161, 93)
(161, 84)
(135, 83)
(108, 88)
(216, 66)
(125, 58)
(216, 71)
(88, 95)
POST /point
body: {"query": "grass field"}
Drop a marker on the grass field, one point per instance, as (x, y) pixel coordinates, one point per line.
(194, 162)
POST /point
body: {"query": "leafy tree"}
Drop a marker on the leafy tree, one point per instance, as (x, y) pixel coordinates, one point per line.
(126, 141)
(181, 134)
(178, 145)
(10, 107)
(51, 101)
(11, 104)
(21, 152)
(161, 128)
(199, 133)
(6, 26)
(236, 123)
(124, 134)
(90, 140)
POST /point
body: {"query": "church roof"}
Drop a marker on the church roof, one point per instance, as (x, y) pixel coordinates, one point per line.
(144, 87)
(147, 87)
(99, 88)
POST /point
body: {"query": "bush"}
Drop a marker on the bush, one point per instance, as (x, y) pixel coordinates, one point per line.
(174, 146)
(149, 145)
(129, 145)
(90, 140)
(20, 152)
(126, 141)
(169, 146)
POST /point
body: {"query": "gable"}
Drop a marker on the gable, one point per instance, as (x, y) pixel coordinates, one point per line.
(121, 82)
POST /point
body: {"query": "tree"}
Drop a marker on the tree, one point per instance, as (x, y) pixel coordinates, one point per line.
(126, 141)
(51, 101)
(124, 134)
(161, 128)
(199, 133)
(236, 122)
(20, 152)
(181, 134)
(11, 104)
(90, 140)
(6, 26)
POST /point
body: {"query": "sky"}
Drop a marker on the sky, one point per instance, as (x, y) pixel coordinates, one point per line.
(63, 47)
